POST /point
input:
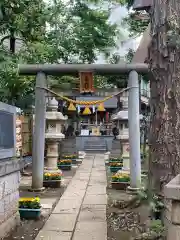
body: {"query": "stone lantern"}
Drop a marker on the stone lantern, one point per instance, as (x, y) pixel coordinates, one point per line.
(53, 134)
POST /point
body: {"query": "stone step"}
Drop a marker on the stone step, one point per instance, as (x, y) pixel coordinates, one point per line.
(95, 147)
(95, 150)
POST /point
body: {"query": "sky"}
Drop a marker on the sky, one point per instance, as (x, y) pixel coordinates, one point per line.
(124, 43)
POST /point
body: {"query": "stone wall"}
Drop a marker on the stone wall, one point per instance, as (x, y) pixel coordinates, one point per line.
(9, 194)
(172, 208)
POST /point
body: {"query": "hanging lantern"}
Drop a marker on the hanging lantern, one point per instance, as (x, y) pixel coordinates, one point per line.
(71, 107)
(86, 82)
(101, 108)
(86, 111)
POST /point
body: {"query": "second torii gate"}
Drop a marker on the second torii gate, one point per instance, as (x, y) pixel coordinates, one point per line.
(41, 71)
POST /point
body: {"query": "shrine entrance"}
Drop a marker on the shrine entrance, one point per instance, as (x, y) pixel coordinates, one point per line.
(86, 72)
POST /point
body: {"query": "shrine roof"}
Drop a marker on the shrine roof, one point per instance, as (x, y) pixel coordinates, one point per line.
(141, 53)
(142, 4)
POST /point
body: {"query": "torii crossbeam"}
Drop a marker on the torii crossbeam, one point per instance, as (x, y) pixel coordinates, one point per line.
(73, 69)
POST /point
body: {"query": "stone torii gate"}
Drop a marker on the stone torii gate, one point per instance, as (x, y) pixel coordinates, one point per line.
(41, 71)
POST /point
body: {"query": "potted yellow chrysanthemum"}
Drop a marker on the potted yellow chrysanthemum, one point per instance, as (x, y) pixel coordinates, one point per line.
(29, 208)
(120, 181)
(65, 164)
(52, 179)
(72, 157)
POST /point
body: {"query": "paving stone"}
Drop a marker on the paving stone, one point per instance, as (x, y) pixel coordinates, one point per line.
(92, 190)
(47, 202)
(77, 184)
(73, 195)
(60, 222)
(91, 213)
(91, 222)
(81, 176)
(90, 231)
(95, 182)
(98, 177)
(95, 199)
(53, 235)
(97, 207)
(67, 206)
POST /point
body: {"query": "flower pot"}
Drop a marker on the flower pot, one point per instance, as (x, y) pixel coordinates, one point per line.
(78, 161)
(120, 185)
(52, 183)
(74, 161)
(107, 163)
(115, 169)
(116, 161)
(26, 213)
(65, 167)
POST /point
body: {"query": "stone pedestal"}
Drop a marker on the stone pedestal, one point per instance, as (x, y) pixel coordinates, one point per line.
(125, 153)
(53, 135)
(52, 154)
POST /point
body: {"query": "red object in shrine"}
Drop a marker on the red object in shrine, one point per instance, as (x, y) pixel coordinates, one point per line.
(86, 82)
(107, 117)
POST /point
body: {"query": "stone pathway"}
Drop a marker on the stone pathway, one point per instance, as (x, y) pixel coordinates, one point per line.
(81, 212)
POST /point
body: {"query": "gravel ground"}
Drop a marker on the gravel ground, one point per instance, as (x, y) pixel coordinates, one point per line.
(127, 222)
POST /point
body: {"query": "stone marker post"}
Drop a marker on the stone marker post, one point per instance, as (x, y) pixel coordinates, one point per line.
(134, 131)
(39, 133)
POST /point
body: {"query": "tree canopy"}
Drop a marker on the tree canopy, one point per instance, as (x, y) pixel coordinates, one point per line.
(54, 32)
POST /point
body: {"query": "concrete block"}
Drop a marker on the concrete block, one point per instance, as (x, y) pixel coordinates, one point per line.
(167, 214)
(173, 232)
(90, 230)
(53, 235)
(172, 189)
(95, 199)
(175, 212)
(61, 222)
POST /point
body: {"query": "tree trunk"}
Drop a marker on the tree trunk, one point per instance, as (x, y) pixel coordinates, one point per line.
(164, 60)
(12, 42)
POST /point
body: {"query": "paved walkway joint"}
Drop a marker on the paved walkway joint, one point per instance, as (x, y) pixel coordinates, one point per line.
(81, 212)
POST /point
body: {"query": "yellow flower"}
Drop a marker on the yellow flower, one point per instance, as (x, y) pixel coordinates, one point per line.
(26, 199)
(47, 174)
(37, 199)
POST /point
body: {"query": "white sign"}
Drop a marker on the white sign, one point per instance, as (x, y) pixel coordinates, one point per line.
(84, 132)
